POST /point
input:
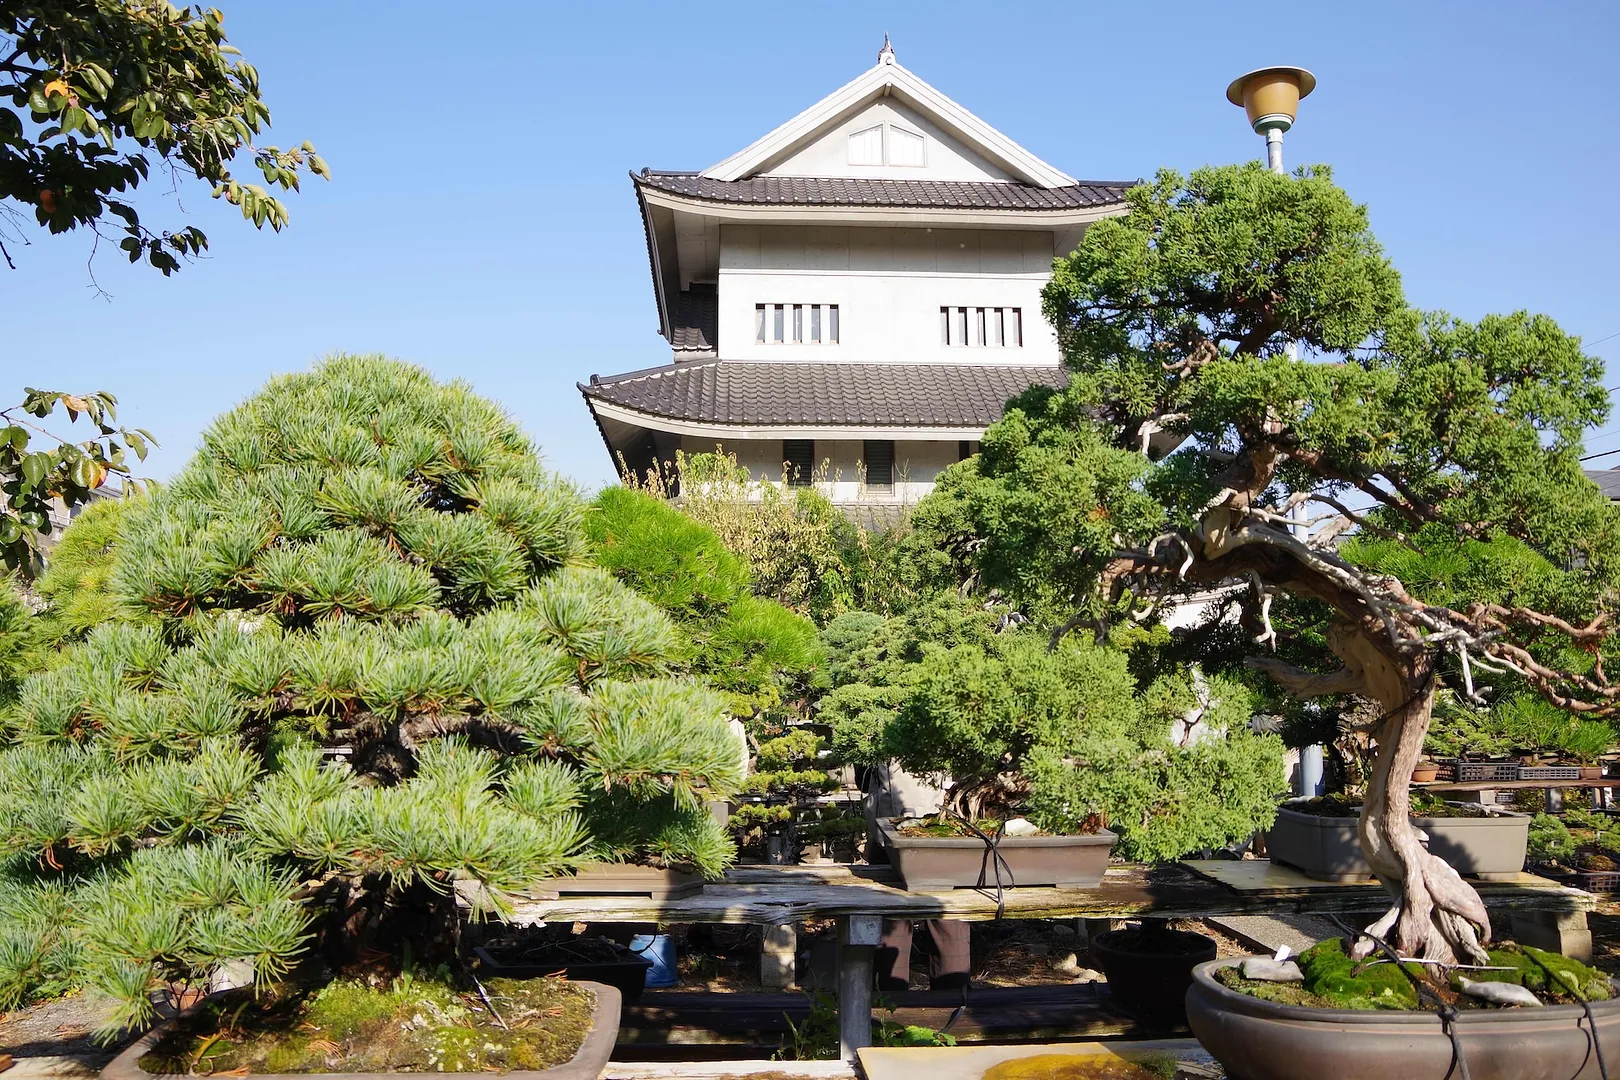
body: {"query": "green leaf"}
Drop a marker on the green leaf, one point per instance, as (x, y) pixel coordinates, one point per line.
(35, 467)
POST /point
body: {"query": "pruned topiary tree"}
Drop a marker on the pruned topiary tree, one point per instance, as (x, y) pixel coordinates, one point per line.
(364, 658)
(1253, 318)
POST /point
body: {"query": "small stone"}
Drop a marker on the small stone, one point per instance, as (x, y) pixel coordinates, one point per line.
(1069, 965)
(1262, 969)
(1501, 993)
(1020, 827)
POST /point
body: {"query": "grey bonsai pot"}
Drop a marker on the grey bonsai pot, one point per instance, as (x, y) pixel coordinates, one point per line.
(1490, 847)
(586, 1064)
(951, 862)
(1261, 1040)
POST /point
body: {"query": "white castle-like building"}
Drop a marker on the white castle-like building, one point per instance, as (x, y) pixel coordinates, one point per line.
(851, 299)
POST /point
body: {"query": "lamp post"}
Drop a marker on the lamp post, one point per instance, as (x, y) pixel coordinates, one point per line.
(1271, 96)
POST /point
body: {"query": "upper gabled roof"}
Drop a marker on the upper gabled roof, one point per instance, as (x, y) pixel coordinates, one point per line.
(888, 78)
(861, 191)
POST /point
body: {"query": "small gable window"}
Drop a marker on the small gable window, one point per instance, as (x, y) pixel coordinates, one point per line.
(906, 147)
(866, 147)
(888, 144)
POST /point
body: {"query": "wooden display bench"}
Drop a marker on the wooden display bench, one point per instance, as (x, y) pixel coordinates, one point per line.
(861, 897)
(1484, 791)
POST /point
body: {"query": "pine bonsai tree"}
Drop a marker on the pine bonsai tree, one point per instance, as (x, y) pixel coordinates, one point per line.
(365, 660)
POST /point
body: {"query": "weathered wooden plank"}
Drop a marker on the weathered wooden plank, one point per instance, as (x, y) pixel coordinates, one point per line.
(771, 896)
(727, 1070)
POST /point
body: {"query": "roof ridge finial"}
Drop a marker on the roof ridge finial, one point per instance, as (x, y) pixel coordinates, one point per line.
(886, 54)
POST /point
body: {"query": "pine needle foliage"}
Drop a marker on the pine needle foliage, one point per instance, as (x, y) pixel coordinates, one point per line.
(357, 639)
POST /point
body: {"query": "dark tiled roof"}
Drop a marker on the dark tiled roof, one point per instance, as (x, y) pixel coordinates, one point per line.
(697, 321)
(1607, 480)
(931, 194)
(823, 394)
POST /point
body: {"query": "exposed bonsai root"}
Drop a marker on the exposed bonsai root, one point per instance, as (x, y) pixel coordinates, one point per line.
(1438, 916)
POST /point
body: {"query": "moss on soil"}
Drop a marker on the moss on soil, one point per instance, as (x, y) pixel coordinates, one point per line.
(412, 1025)
(1334, 981)
(1081, 1067)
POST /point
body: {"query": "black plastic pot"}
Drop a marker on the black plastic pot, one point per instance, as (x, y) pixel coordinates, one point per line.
(628, 974)
(1261, 1040)
(1151, 971)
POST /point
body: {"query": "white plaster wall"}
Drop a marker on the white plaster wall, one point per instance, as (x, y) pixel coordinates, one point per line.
(889, 284)
(839, 468)
(945, 158)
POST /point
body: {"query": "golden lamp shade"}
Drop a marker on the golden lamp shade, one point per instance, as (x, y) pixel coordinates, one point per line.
(1271, 95)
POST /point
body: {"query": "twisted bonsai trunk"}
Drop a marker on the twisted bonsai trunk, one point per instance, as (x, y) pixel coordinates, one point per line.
(1436, 912)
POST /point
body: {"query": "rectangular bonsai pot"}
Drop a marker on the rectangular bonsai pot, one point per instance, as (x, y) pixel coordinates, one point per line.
(951, 862)
(587, 1063)
(625, 879)
(628, 974)
(1490, 847)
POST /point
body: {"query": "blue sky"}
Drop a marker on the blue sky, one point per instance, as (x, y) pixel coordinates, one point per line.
(480, 221)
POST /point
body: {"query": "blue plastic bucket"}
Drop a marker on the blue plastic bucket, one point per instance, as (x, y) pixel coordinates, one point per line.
(661, 951)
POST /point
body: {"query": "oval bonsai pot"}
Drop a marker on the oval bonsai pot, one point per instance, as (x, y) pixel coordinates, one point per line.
(587, 1063)
(1490, 847)
(627, 974)
(1425, 773)
(1151, 979)
(1262, 1040)
(964, 862)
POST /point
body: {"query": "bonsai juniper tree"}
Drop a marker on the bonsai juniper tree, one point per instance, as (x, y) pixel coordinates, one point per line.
(363, 659)
(1061, 735)
(1254, 318)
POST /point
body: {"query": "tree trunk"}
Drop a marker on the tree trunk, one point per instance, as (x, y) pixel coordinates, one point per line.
(1437, 915)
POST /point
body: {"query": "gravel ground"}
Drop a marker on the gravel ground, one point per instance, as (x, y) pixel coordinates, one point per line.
(60, 1027)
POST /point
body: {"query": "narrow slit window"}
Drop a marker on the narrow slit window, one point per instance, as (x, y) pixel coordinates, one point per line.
(796, 324)
(981, 327)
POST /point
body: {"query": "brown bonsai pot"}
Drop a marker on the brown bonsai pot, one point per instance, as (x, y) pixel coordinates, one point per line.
(1261, 1040)
(587, 1063)
(1490, 847)
(965, 862)
(1426, 772)
(625, 879)
(1591, 772)
(1151, 969)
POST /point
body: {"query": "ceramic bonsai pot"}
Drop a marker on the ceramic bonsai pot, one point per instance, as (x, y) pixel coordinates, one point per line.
(1591, 772)
(627, 974)
(1490, 847)
(625, 879)
(965, 862)
(587, 1063)
(1261, 1040)
(1426, 772)
(1154, 980)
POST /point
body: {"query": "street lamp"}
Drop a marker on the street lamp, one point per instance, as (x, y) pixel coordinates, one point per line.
(1271, 98)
